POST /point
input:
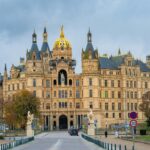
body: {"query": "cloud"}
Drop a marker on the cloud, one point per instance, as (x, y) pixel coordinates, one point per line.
(114, 23)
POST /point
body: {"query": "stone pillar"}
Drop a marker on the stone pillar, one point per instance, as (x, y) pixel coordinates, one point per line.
(68, 118)
(51, 120)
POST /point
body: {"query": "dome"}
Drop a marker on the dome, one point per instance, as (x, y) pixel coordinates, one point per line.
(62, 42)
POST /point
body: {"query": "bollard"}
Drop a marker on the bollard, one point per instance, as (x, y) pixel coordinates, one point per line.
(115, 147)
(133, 147)
(125, 147)
(111, 147)
(119, 147)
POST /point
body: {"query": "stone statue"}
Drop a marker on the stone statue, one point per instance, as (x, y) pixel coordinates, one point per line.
(62, 78)
(30, 131)
(91, 126)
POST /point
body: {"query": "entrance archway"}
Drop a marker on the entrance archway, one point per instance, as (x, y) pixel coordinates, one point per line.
(63, 122)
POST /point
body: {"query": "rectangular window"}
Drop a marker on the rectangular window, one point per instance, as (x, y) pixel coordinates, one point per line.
(128, 106)
(132, 106)
(62, 94)
(91, 105)
(112, 94)
(127, 84)
(119, 106)
(90, 81)
(70, 93)
(135, 85)
(47, 83)
(77, 105)
(105, 82)
(119, 94)
(106, 94)
(17, 86)
(135, 106)
(23, 85)
(77, 94)
(113, 106)
(54, 93)
(119, 115)
(113, 115)
(77, 83)
(112, 83)
(34, 82)
(43, 94)
(106, 106)
(66, 94)
(34, 93)
(118, 83)
(47, 94)
(90, 93)
(135, 95)
(146, 85)
(8, 87)
(59, 93)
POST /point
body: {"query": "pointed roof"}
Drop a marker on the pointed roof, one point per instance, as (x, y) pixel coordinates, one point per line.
(62, 32)
(89, 46)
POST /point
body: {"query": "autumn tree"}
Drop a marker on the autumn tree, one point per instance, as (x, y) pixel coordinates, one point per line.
(145, 106)
(17, 109)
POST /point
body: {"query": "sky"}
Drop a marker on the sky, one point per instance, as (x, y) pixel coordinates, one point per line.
(114, 24)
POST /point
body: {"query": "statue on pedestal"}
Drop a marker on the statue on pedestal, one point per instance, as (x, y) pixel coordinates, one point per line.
(62, 78)
(91, 123)
(30, 131)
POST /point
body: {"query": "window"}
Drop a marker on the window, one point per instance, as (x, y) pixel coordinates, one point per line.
(43, 94)
(59, 93)
(77, 105)
(91, 105)
(66, 94)
(34, 82)
(8, 87)
(119, 115)
(135, 85)
(119, 106)
(54, 93)
(54, 82)
(119, 94)
(113, 106)
(47, 94)
(17, 86)
(13, 87)
(106, 106)
(70, 82)
(106, 115)
(70, 93)
(112, 94)
(77, 83)
(47, 106)
(105, 82)
(128, 106)
(113, 115)
(112, 83)
(77, 94)
(131, 84)
(128, 95)
(146, 85)
(100, 105)
(135, 95)
(70, 105)
(131, 95)
(106, 94)
(55, 105)
(131, 106)
(47, 83)
(135, 106)
(127, 83)
(90, 81)
(23, 85)
(118, 83)
(90, 93)
(34, 93)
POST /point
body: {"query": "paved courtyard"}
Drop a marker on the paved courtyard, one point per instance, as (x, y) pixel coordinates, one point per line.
(60, 140)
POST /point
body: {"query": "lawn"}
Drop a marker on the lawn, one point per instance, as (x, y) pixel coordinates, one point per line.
(143, 138)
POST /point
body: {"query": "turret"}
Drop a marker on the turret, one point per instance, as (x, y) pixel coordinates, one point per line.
(5, 73)
(148, 61)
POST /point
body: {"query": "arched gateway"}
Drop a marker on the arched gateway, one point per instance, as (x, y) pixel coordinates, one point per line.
(63, 122)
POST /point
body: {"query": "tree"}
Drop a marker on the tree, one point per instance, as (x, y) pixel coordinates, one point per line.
(17, 109)
(145, 106)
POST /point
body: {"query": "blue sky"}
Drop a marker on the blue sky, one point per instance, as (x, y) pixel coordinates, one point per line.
(115, 24)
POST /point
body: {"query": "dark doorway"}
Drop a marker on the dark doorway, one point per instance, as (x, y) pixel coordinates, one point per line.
(63, 122)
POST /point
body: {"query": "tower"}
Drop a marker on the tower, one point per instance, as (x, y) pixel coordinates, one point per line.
(148, 61)
(90, 60)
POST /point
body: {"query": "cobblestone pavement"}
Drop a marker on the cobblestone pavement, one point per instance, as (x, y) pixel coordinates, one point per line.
(112, 139)
(59, 140)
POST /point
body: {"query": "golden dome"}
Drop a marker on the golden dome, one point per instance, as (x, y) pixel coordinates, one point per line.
(62, 42)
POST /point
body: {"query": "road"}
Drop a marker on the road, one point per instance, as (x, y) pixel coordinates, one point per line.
(59, 140)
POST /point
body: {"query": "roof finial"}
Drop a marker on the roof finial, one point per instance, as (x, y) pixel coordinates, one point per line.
(119, 52)
(5, 68)
(34, 37)
(89, 36)
(62, 32)
(45, 35)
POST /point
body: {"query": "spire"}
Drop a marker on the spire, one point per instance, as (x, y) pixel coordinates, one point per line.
(5, 69)
(62, 32)
(89, 36)
(34, 37)
(45, 35)
(119, 52)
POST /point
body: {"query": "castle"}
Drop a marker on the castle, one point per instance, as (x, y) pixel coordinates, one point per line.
(111, 86)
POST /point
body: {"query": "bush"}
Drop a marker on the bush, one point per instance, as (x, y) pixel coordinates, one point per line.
(1, 137)
(142, 132)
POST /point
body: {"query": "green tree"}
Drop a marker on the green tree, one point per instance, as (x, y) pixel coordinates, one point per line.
(17, 109)
(145, 106)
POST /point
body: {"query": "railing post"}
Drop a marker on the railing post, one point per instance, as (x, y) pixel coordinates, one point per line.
(119, 147)
(115, 147)
(125, 147)
(111, 147)
(108, 146)
(133, 147)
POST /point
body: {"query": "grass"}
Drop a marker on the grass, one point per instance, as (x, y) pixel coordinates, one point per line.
(143, 138)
